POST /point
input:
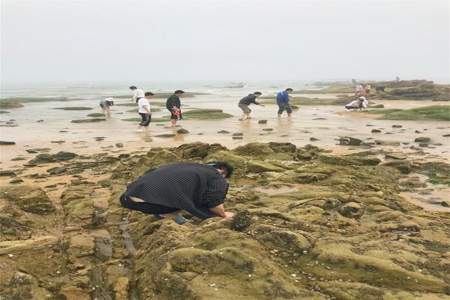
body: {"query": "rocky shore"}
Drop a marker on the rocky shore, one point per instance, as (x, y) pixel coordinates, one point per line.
(309, 225)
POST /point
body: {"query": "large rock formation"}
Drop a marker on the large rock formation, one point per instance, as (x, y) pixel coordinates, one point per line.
(308, 226)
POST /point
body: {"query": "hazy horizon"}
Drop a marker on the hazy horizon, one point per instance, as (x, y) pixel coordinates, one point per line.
(101, 41)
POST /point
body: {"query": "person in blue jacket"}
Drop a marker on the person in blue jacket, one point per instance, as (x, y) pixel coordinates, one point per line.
(283, 102)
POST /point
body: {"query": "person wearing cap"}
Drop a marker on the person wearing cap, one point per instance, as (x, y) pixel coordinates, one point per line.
(360, 104)
(173, 105)
(283, 102)
(245, 102)
(137, 94)
(105, 105)
(199, 189)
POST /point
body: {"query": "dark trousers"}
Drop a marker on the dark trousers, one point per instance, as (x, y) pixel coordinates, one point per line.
(146, 119)
(145, 207)
(284, 107)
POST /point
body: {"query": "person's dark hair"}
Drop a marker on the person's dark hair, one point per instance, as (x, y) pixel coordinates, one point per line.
(149, 94)
(133, 87)
(223, 165)
(257, 93)
(289, 90)
(179, 92)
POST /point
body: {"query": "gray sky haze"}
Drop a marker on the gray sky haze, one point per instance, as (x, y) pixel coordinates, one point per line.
(172, 40)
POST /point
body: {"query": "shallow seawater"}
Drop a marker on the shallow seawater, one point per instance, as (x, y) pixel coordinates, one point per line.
(323, 123)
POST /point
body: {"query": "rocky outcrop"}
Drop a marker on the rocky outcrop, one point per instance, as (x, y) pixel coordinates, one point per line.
(307, 225)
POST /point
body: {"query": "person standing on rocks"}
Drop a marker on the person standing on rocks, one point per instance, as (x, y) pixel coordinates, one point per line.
(245, 102)
(106, 104)
(144, 109)
(137, 93)
(173, 104)
(199, 189)
(283, 102)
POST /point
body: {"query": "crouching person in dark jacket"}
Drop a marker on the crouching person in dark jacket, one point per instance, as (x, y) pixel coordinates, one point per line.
(199, 189)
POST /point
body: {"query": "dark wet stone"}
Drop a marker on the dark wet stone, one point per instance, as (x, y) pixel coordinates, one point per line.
(94, 120)
(262, 122)
(99, 138)
(422, 140)
(16, 181)
(238, 134)
(119, 145)
(165, 135)
(63, 155)
(350, 141)
(397, 126)
(42, 159)
(7, 173)
(37, 150)
(7, 143)
(182, 131)
(57, 142)
(223, 132)
(57, 170)
(313, 139)
(375, 130)
(19, 158)
(268, 129)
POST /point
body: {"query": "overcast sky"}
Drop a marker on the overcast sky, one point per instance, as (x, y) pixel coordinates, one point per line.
(174, 40)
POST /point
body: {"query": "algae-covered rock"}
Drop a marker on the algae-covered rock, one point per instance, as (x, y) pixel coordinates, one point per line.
(308, 226)
(44, 158)
(199, 150)
(236, 161)
(254, 166)
(282, 147)
(282, 239)
(254, 150)
(28, 198)
(206, 114)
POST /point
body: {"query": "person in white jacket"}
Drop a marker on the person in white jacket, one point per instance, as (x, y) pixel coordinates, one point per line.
(361, 103)
(138, 93)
